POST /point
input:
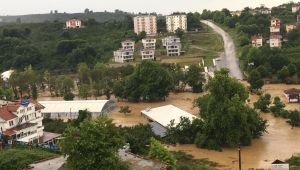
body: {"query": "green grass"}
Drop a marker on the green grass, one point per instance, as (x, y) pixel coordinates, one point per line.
(294, 162)
(19, 158)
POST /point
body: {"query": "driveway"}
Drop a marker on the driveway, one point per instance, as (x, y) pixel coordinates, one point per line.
(52, 164)
(228, 59)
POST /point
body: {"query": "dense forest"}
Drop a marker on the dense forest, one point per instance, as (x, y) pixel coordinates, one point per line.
(55, 15)
(276, 65)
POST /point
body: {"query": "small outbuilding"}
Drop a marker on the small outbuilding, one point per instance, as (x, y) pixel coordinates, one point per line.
(279, 165)
(293, 95)
(161, 117)
(70, 109)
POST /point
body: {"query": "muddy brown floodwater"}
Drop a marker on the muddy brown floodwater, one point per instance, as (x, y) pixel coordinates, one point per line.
(281, 141)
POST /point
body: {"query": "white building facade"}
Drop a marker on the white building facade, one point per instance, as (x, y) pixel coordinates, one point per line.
(257, 41)
(175, 22)
(22, 121)
(149, 43)
(148, 54)
(73, 23)
(128, 45)
(147, 23)
(275, 41)
(123, 56)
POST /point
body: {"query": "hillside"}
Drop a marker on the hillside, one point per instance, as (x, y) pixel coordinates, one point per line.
(39, 18)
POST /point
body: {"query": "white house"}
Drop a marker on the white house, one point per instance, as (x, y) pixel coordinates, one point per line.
(70, 109)
(73, 23)
(149, 43)
(275, 41)
(295, 9)
(123, 56)
(148, 54)
(257, 41)
(22, 121)
(161, 117)
(175, 22)
(6, 75)
(128, 45)
(275, 25)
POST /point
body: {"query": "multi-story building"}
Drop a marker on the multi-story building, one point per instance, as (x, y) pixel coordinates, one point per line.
(147, 23)
(275, 41)
(175, 22)
(173, 49)
(257, 41)
(149, 43)
(290, 27)
(275, 22)
(148, 54)
(170, 39)
(73, 23)
(22, 121)
(128, 45)
(298, 18)
(295, 8)
(123, 56)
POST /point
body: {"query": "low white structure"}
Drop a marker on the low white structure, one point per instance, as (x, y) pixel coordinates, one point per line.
(128, 45)
(73, 23)
(275, 41)
(148, 54)
(149, 43)
(56, 109)
(173, 49)
(123, 56)
(22, 121)
(161, 117)
(295, 9)
(6, 75)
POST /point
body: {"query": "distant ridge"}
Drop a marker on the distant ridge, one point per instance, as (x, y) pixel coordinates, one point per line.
(39, 18)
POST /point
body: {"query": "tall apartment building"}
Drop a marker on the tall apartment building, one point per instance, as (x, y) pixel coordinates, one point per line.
(148, 54)
(125, 54)
(174, 22)
(22, 121)
(147, 23)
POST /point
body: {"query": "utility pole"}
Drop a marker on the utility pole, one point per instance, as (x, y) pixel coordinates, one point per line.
(240, 160)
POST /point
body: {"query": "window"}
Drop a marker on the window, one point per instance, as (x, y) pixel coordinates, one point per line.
(26, 118)
(11, 123)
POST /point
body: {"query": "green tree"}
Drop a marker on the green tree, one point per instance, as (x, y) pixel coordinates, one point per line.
(82, 115)
(228, 121)
(69, 96)
(278, 106)
(263, 103)
(125, 110)
(93, 145)
(255, 80)
(195, 78)
(158, 151)
(83, 72)
(179, 33)
(283, 73)
(84, 91)
(294, 118)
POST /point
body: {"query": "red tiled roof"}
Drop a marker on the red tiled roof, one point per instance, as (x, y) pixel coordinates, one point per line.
(292, 91)
(6, 113)
(9, 132)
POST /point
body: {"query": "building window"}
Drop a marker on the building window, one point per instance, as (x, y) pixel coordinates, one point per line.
(26, 118)
(11, 123)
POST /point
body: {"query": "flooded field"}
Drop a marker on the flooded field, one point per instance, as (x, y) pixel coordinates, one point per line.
(281, 141)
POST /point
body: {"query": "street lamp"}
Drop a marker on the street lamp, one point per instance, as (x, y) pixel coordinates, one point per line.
(240, 160)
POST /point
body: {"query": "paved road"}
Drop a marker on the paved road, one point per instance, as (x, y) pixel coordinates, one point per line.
(52, 164)
(228, 59)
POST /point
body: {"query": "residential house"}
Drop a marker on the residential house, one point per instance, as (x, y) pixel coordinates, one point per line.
(123, 56)
(290, 27)
(147, 23)
(73, 23)
(173, 49)
(161, 117)
(149, 43)
(148, 54)
(275, 25)
(275, 41)
(279, 165)
(175, 22)
(293, 95)
(295, 8)
(257, 41)
(22, 121)
(128, 45)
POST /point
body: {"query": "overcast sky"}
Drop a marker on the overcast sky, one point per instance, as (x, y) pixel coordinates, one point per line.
(16, 7)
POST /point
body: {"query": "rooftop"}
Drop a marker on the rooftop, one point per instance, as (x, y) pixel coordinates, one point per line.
(165, 114)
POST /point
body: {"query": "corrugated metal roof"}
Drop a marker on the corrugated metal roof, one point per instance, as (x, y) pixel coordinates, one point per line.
(94, 106)
(163, 115)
